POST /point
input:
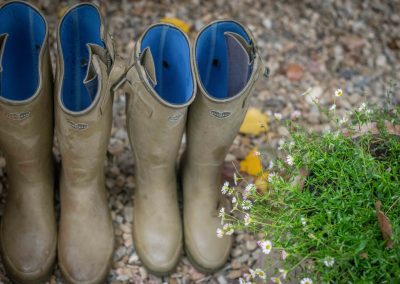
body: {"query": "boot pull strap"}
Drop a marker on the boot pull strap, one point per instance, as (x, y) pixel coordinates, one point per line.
(117, 69)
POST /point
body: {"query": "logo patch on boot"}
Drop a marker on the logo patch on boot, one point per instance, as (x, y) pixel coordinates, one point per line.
(220, 114)
(77, 125)
(175, 117)
(19, 115)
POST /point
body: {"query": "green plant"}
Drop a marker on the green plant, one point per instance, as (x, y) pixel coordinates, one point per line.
(319, 210)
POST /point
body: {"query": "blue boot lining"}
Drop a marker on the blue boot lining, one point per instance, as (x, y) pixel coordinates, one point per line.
(212, 57)
(80, 27)
(26, 29)
(171, 54)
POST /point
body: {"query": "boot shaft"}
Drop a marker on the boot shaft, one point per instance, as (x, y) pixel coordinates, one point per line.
(227, 67)
(83, 100)
(160, 86)
(26, 104)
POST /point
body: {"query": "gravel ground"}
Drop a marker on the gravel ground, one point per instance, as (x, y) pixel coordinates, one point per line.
(323, 45)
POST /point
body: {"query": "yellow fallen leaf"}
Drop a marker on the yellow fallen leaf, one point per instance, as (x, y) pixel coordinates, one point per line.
(255, 122)
(252, 163)
(61, 11)
(177, 22)
(262, 183)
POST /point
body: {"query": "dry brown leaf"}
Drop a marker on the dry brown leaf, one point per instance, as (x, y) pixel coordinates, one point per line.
(384, 224)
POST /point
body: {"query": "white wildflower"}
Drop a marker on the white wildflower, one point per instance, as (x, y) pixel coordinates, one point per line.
(265, 246)
(225, 188)
(283, 273)
(303, 221)
(362, 107)
(278, 116)
(338, 92)
(271, 165)
(247, 219)
(252, 273)
(289, 160)
(306, 281)
(246, 204)
(221, 212)
(228, 229)
(261, 274)
(284, 255)
(276, 280)
(295, 115)
(333, 107)
(234, 200)
(343, 120)
(271, 176)
(220, 233)
(329, 261)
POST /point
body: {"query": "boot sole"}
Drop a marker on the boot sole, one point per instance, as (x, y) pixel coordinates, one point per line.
(201, 268)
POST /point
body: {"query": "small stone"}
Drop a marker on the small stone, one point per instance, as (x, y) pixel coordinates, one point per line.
(230, 158)
(116, 148)
(237, 252)
(143, 272)
(236, 264)
(267, 23)
(119, 253)
(381, 60)
(128, 213)
(222, 280)
(234, 274)
(134, 258)
(251, 245)
(294, 72)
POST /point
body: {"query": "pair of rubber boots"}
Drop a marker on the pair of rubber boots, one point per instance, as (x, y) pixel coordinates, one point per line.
(173, 87)
(79, 108)
(161, 81)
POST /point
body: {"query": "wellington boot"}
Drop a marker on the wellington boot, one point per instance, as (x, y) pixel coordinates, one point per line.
(160, 86)
(226, 68)
(83, 115)
(28, 229)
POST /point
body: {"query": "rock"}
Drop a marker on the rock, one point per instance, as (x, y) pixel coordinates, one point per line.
(251, 245)
(222, 280)
(234, 274)
(352, 42)
(134, 258)
(143, 272)
(236, 252)
(119, 253)
(381, 60)
(267, 23)
(236, 264)
(294, 72)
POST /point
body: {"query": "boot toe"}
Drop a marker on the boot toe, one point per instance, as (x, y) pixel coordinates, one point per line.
(207, 252)
(160, 253)
(28, 263)
(87, 270)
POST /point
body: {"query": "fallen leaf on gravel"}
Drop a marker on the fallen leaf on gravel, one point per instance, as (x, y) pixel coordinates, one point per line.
(294, 72)
(254, 122)
(384, 224)
(177, 22)
(251, 164)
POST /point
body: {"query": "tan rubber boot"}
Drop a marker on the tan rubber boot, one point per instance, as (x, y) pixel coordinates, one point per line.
(160, 86)
(28, 227)
(226, 68)
(83, 115)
